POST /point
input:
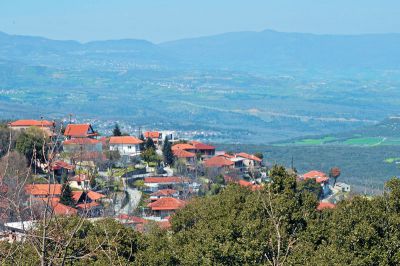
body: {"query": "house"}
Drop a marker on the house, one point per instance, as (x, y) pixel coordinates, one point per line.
(47, 126)
(342, 187)
(320, 177)
(54, 206)
(203, 149)
(164, 207)
(249, 160)
(80, 181)
(154, 135)
(184, 146)
(60, 168)
(79, 131)
(219, 162)
(156, 183)
(88, 203)
(43, 190)
(163, 193)
(188, 157)
(126, 145)
(79, 145)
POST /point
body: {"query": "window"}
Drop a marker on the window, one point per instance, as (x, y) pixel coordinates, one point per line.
(129, 147)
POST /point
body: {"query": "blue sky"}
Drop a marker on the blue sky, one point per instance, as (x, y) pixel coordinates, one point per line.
(163, 20)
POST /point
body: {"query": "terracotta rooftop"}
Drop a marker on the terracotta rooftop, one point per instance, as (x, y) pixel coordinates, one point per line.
(88, 205)
(43, 189)
(79, 131)
(201, 146)
(164, 192)
(249, 156)
(319, 177)
(166, 204)
(183, 146)
(79, 178)
(125, 140)
(81, 141)
(94, 195)
(152, 134)
(32, 123)
(325, 205)
(183, 154)
(57, 165)
(218, 161)
(57, 207)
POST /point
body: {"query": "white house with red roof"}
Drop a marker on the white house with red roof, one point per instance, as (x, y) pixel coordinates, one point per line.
(47, 126)
(205, 150)
(319, 177)
(156, 183)
(164, 207)
(163, 193)
(80, 182)
(126, 145)
(77, 145)
(249, 160)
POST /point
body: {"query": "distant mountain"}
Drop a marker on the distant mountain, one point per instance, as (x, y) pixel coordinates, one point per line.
(271, 49)
(266, 50)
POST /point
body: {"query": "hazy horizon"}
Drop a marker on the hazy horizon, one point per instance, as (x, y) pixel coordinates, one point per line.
(159, 21)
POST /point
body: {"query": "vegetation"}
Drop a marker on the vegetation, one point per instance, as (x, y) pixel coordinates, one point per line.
(167, 152)
(33, 144)
(116, 131)
(66, 195)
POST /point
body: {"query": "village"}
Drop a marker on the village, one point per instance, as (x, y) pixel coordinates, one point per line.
(141, 180)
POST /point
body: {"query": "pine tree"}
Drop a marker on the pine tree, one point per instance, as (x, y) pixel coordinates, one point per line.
(117, 132)
(167, 152)
(150, 144)
(66, 195)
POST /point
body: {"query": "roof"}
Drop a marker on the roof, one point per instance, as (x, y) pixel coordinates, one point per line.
(87, 205)
(32, 123)
(164, 192)
(76, 195)
(319, 177)
(218, 161)
(201, 146)
(249, 156)
(152, 134)
(81, 141)
(57, 165)
(166, 204)
(43, 189)
(183, 154)
(248, 184)
(125, 140)
(169, 179)
(132, 219)
(325, 205)
(57, 207)
(183, 146)
(94, 195)
(79, 130)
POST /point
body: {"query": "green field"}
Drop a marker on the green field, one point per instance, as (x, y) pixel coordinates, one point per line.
(367, 141)
(392, 160)
(316, 141)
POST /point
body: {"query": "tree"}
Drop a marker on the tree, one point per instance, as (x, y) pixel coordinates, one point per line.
(33, 144)
(334, 173)
(8, 139)
(167, 152)
(259, 155)
(66, 195)
(116, 131)
(150, 144)
(142, 145)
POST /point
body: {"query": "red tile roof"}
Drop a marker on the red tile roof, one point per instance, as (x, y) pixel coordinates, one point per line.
(248, 184)
(248, 156)
(201, 146)
(152, 134)
(325, 205)
(43, 189)
(166, 204)
(164, 192)
(218, 161)
(76, 195)
(81, 141)
(88, 205)
(79, 131)
(32, 123)
(132, 219)
(183, 154)
(57, 165)
(125, 140)
(161, 180)
(94, 195)
(57, 207)
(183, 146)
(319, 177)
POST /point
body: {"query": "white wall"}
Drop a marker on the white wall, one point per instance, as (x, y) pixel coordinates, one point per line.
(126, 149)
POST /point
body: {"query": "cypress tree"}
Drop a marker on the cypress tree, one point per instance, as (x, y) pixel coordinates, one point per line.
(66, 195)
(117, 132)
(167, 152)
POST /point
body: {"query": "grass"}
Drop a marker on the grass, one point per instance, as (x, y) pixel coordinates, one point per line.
(368, 141)
(319, 141)
(392, 160)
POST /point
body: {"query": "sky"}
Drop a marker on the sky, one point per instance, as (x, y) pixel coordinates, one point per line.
(164, 20)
